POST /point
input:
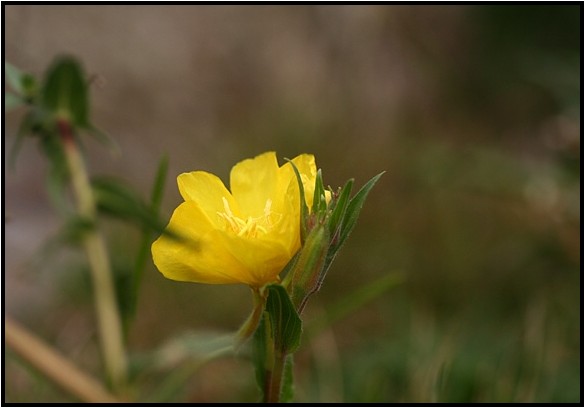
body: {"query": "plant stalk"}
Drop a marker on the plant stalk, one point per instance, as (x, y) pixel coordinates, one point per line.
(251, 323)
(273, 386)
(109, 323)
(55, 366)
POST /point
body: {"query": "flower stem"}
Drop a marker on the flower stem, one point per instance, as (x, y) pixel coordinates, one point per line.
(251, 323)
(273, 386)
(110, 328)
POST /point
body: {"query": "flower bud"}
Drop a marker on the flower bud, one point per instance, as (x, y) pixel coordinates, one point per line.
(307, 270)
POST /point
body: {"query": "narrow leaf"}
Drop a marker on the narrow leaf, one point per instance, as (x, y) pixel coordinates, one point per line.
(144, 249)
(65, 93)
(14, 77)
(116, 199)
(159, 183)
(25, 128)
(304, 207)
(286, 323)
(353, 209)
(103, 138)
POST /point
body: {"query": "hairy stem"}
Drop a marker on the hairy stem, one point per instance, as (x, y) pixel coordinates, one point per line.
(273, 386)
(251, 323)
(110, 328)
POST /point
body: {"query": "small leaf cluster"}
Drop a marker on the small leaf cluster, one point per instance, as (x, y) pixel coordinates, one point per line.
(324, 229)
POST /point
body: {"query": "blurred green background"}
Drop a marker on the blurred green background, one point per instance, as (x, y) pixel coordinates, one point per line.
(474, 113)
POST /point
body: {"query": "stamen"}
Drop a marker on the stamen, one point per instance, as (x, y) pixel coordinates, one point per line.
(252, 226)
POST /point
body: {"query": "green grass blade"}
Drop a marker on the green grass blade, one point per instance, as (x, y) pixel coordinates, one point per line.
(355, 300)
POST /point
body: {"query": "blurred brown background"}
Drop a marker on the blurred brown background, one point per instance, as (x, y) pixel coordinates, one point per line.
(474, 113)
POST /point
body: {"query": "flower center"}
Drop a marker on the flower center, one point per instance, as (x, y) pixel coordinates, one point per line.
(250, 227)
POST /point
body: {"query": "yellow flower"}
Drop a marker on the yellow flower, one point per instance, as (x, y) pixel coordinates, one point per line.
(245, 236)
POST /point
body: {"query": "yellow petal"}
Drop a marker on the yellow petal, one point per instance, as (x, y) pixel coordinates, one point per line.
(198, 257)
(253, 182)
(305, 163)
(286, 228)
(262, 259)
(208, 191)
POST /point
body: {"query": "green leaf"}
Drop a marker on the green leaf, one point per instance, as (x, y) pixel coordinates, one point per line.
(353, 209)
(304, 207)
(26, 126)
(12, 101)
(14, 77)
(285, 323)
(159, 183)
(64, 92)
(103, 138)
(262, 351)
(147, 233)
(116, 199)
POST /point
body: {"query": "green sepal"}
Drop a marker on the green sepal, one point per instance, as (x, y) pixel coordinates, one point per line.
(286, 325)
(308, 268)
(288, 270)
(304, 207)
(319, 201)
(64, 92)
(342, 220)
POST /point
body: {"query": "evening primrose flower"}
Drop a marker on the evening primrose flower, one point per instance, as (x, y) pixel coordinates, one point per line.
(246, 235)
